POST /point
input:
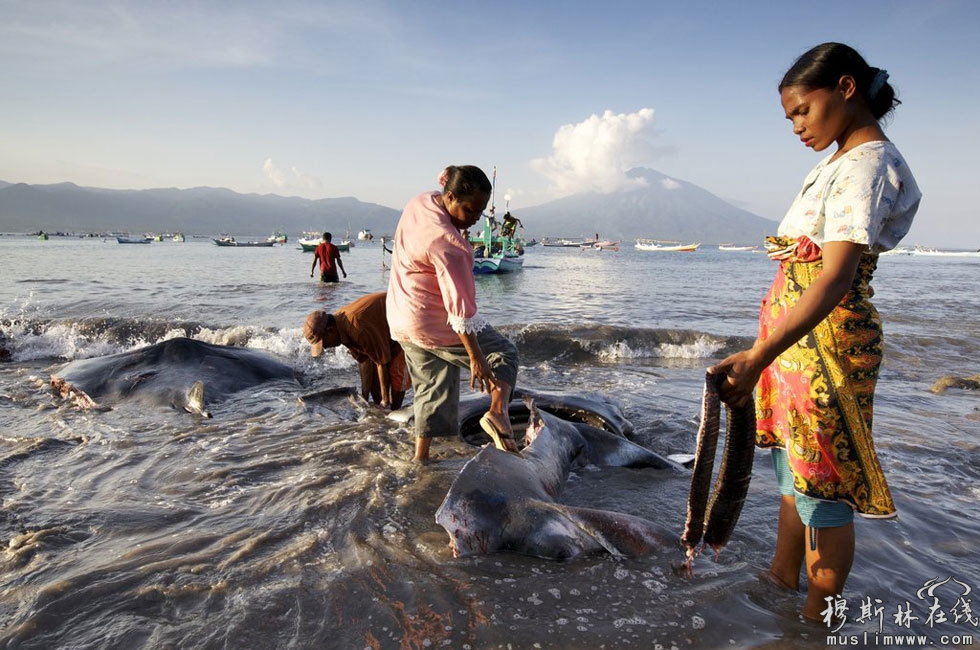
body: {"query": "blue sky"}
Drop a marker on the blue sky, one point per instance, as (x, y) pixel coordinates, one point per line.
(373, 98)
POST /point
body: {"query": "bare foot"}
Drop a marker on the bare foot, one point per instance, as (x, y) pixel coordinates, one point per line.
(422, 451)
(776, 581)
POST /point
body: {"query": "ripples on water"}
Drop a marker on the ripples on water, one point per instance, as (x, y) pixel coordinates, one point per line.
(274, 525)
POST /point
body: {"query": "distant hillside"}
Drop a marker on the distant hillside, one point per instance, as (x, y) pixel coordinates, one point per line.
(69, 208)
(666, 208)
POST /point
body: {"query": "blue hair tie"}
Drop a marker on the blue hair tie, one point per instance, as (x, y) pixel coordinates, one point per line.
(876, 84)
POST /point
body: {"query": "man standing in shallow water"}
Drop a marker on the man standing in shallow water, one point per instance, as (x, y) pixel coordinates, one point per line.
(326, 253)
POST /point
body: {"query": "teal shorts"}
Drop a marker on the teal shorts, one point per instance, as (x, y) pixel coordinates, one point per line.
(814, 513)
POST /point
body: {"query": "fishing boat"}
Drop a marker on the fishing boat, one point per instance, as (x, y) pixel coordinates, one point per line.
(896, 251)
(278, 237)
(661, 245)
(561, 242)
(347, 242)
(308, 245)
(133, 240)
(603, 245)
(733, 247)
(179, 237)
(494, 253)
(498, 263)
(231, 241)
(365, 235)
(310, 240)
(935, 252)
(43, 236)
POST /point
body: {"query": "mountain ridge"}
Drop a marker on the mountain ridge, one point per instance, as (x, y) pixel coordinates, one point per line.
(660, 207)
(664, 207)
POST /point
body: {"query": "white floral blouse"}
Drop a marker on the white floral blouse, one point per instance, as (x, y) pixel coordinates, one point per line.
(867, 196)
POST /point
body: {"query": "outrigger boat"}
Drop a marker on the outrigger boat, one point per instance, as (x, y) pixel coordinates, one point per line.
(562, 243)
(496, 253)
(310, 240)
(733, 247)
(604, 245)
(231, 241)
(922, 250)
(658, 245)
(133, 240)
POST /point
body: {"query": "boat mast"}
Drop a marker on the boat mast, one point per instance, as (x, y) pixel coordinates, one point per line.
(493, 190)
(487, 221)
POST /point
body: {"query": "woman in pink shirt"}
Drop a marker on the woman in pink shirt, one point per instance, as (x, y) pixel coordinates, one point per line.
(432, 312)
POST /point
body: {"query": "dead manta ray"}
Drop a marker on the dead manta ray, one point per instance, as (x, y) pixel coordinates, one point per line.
(184, 373)
(504, 502)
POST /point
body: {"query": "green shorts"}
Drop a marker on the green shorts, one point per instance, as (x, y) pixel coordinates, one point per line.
(814, 513)
(435, 379)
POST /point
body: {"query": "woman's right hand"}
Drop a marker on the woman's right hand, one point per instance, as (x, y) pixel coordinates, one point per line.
(481, 374)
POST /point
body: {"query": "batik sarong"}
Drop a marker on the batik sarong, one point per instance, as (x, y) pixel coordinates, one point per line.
(816, 399)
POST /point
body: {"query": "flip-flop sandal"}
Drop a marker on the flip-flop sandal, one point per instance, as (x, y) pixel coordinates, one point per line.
(497, 436)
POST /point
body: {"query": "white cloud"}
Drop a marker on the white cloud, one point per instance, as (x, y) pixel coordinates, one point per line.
(595, 154)
(670, 184)
(293, 180)
(273, 173)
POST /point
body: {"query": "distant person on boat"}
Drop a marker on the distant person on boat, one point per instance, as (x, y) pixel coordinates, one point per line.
(509, 225)
(328, 256)
(362, 327)
(491, 220)
(816, 360)
(432, 312)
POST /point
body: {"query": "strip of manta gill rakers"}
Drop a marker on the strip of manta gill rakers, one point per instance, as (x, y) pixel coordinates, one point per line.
(713, 519)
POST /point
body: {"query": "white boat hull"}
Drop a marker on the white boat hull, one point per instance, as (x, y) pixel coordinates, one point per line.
(652, 246)
(497, 264)
(919, 250)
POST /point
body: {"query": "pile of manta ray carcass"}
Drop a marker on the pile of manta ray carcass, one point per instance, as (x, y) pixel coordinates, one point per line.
(500, 501)
(507, 502)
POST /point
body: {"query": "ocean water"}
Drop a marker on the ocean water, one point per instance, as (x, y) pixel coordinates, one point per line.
(285, 525)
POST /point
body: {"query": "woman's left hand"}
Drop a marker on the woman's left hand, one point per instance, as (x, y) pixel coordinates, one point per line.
(742, 371)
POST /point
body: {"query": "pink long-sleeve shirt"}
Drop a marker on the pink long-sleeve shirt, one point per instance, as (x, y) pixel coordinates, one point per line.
(431, 292)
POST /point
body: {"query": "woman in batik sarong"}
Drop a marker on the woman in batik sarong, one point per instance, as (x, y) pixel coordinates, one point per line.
(816, 360)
